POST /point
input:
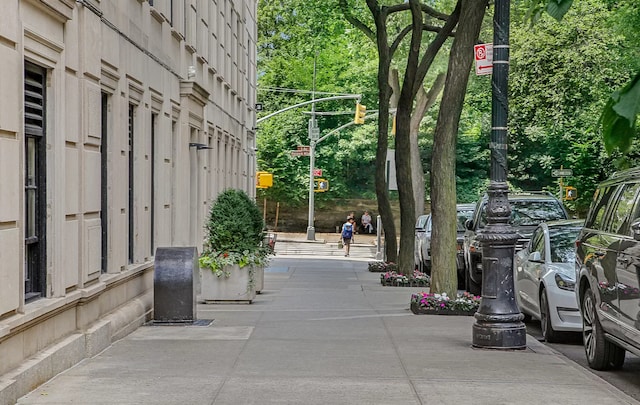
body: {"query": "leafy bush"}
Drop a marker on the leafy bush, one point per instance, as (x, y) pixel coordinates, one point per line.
(234, 232)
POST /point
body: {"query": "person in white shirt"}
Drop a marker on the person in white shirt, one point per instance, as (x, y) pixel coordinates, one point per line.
(365, 222)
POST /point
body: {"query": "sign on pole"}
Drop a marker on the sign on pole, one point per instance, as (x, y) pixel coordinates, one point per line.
(304, 147)
(562, 172)
(483, 54)
(317, 172)
(296, 153)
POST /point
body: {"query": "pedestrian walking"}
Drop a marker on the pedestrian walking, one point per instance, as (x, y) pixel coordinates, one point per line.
(347, 235)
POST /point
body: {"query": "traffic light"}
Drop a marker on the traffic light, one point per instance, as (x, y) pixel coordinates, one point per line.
(321, 185)
(571, 193)
(361, 111)
(264, 179)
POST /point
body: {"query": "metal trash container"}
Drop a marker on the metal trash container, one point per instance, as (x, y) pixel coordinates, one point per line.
(175, 279)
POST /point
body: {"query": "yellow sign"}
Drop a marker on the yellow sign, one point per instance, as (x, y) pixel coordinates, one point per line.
(264, 179)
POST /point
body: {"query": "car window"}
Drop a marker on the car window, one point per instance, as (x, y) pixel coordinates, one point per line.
(599, 207)
(619, 222)
(537, 242)
(421, 222)
(463, 215)
(531, 212)
(562, 242)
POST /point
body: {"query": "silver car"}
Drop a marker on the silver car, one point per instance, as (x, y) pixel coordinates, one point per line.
(422, 251)
(423, 240)
(545, 279)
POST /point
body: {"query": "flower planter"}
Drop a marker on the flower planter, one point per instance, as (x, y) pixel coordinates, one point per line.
(258, 275)
(416, 309)
(238, 287)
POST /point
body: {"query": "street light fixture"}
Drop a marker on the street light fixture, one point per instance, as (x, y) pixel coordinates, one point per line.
(498, 322)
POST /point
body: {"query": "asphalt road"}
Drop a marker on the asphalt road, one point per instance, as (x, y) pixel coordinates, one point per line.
(627, 379)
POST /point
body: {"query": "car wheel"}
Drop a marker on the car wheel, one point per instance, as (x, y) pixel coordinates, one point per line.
(601, 354)
(548, 333)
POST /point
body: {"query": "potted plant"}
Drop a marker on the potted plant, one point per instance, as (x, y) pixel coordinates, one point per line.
(232, 249)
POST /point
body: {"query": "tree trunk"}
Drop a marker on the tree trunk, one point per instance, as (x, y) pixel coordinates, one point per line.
(443, 162)
(382, 190)
(424, 101)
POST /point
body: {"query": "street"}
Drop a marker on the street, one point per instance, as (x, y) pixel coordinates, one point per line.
(626, 379)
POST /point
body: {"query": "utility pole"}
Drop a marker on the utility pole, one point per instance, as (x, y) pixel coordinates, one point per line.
(498, 322)
(314, 134)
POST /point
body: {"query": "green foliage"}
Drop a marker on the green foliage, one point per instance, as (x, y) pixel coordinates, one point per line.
(233, 232)
(561, 74)
(619, 117)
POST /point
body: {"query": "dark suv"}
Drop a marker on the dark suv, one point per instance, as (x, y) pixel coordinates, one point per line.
(528, 209)
(608, 272)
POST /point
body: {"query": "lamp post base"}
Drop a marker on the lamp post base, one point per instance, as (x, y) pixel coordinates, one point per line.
(499, 332)
(311, 233)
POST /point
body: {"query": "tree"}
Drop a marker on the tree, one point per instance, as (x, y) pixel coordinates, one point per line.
(417, 65)
(443, 183)
(619, 116)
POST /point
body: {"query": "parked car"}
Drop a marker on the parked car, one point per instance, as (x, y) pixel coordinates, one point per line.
(423, 239)
(607, 272)
(528, 209)
(545, 279)
(464, 212)
(422, 250)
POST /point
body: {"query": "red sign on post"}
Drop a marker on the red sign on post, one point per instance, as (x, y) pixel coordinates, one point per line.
(483, 54)
(317, 172)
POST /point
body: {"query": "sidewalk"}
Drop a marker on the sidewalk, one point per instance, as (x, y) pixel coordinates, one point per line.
(324, 331)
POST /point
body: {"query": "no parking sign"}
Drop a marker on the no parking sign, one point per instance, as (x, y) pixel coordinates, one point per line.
(483, 54)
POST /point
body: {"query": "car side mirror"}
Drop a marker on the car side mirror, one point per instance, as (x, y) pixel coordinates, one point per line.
(635, 229)
(468, 224)
(535, 257)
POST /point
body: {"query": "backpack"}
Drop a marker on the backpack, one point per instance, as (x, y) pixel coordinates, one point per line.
(347, 231)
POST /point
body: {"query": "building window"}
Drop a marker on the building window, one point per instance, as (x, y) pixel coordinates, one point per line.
(152, 230)
(35, 180)
(131, 182)
(104, 202)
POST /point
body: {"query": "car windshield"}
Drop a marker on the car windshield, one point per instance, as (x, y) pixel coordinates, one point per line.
(463, 215)
(530, 213)
(563, 244)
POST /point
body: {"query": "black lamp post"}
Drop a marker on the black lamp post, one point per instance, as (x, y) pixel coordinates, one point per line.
(498, 322)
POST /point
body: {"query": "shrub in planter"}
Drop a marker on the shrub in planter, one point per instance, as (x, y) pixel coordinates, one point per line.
(433, 303)
(382, 267)
(234, 233)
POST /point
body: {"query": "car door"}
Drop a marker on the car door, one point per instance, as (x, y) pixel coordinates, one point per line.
(623, 221)
(598, 250)
(528, 276)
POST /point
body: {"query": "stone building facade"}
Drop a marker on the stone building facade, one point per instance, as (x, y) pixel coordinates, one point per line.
(120, 121)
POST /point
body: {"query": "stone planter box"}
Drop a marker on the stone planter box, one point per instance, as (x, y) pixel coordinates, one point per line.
(411, 283)
(415, 308)
(238, 287)
(258, 275)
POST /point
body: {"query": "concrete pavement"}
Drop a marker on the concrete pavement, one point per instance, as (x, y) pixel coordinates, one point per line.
(324, 331)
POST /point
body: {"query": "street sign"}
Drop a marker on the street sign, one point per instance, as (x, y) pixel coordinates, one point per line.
(303, 147)
(317, 172)
(314, 133)
(259, 107)
(483, 54)
(296, 153)
(562, 172)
